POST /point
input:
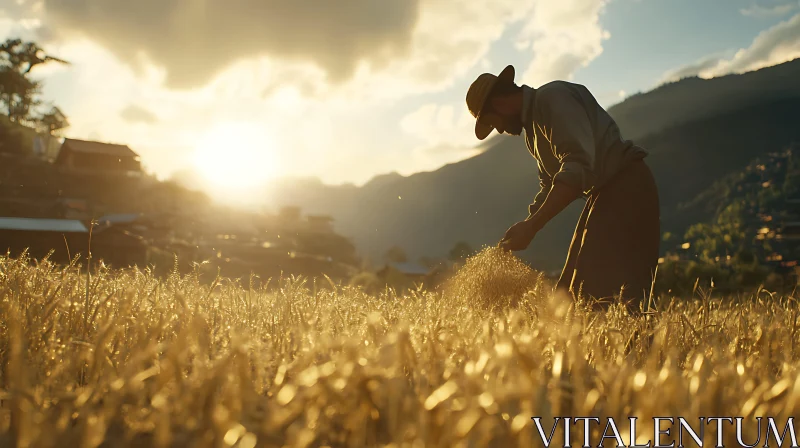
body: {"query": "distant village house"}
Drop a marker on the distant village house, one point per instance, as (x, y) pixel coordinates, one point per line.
(88, 157)
(320, 223)
(412, 271)
(66, 238)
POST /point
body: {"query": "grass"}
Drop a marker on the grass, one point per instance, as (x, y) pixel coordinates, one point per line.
(181, 362)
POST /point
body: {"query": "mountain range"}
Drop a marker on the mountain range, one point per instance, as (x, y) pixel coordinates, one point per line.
(696, 131)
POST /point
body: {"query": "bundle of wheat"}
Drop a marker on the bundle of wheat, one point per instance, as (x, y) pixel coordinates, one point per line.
(493, 277)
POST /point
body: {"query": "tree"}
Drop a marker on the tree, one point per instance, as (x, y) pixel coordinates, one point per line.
(18, 93)
(745, 257)
(396, 254)
(10, 141)
(52, 122)
(460, 251)
(23, 56)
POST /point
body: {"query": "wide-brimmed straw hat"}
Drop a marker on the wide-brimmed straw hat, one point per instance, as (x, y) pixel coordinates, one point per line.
(478, 93)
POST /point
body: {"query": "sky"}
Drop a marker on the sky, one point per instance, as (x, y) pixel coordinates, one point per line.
(245, 91)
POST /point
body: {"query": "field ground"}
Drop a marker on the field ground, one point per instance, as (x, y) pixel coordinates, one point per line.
(130, 360)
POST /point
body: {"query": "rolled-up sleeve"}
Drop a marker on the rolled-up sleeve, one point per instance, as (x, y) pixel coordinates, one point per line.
(545, 183)
(571, 138)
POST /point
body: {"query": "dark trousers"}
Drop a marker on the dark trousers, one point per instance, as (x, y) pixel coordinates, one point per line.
(616, 241)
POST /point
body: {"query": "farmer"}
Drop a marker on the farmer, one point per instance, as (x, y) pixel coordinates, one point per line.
(580, 153)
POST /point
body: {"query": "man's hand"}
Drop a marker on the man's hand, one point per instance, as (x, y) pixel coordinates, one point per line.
(519, 236)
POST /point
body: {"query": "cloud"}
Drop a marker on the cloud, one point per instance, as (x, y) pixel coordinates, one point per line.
(137, 114)
(362, 49)
(763, 12)
(441, 128)
(196, 40)
(776, 45)
(691, 70)
(562, 37)
(565, 36)
(14, 8)
(450, 39)
(359, 49)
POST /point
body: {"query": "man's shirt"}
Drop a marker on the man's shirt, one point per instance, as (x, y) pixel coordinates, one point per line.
(572, 138)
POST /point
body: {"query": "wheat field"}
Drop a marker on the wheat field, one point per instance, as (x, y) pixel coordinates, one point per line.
(123, 358)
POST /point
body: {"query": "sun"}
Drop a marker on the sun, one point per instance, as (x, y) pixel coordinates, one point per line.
(237, 156)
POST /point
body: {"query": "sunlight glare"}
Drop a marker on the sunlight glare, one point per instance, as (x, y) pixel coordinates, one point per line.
(237, 156)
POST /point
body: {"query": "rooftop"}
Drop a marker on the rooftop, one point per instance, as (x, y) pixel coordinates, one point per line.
(43, 225)
(126, 218)
(90, 147)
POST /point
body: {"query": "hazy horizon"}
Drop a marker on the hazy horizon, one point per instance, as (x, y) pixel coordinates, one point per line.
(232, 92)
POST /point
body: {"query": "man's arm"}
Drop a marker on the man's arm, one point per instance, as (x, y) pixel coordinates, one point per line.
(545, 184)
(559, 197)
(519, 236)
